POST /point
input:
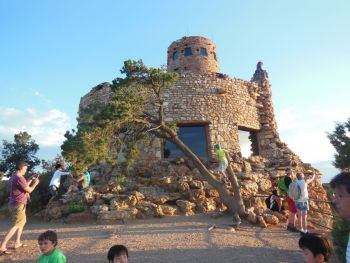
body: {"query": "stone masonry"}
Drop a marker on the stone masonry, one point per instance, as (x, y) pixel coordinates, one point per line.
(203, 95)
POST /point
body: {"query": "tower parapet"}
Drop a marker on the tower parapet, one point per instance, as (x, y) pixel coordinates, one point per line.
(195, 54)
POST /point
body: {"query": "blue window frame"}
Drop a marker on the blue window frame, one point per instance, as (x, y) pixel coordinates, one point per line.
(188, 51)
(194, 137)
(175, 56)
(203, 52)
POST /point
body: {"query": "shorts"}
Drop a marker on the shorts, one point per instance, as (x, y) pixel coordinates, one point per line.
(222, 166)
(302, 206)
(18, 215)
(291, 205)
(53, 190)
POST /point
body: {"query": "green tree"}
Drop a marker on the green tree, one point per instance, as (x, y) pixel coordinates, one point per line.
(23, 148)
(136, 114)
(340, 139)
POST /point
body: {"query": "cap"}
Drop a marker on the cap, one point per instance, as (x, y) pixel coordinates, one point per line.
(288, 169)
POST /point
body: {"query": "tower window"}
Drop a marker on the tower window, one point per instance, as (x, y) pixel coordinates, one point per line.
(175, 56)
(195, 137)
(203, 52)
(188, 51)
(248, 142)
(215, 56)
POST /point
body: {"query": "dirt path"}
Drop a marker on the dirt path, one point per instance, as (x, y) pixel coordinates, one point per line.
(172, 239)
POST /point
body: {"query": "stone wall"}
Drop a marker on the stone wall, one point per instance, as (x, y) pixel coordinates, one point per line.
(197, 61)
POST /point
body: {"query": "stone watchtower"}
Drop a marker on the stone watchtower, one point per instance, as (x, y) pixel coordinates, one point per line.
(210, 107)
(195, 54)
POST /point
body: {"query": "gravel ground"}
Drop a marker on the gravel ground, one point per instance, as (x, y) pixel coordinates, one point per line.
(172, 239)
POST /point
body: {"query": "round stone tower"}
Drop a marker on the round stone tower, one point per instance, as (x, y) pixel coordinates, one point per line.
(194, 54)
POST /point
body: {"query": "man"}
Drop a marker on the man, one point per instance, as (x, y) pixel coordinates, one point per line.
(341, 184)
(19, 190)
(302, 204)
(283, 185)
(56, 181)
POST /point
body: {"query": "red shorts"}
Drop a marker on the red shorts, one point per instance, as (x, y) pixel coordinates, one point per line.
(291, 205)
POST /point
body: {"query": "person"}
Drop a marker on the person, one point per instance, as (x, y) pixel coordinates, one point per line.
(316, 249)
(56, 180)
(222, 160)
(118, 254)
(273, 202)
(49, 252)
(19, 190)
(80, 183)
(302, 204)
(283, 185)
(341, 185)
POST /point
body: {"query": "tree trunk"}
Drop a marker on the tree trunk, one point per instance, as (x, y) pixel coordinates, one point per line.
(234, 203)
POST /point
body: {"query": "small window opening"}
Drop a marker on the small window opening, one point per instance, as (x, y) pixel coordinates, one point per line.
(188, 51)
(175, 56)
(215, 56)
(203, 52)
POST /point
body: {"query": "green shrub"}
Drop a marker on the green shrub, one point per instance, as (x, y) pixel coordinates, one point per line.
(340, 234)
(4, 193)
(121, 180)
(74, 207)
(41, 194)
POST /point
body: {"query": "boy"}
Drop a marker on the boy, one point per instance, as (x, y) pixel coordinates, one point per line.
(222, 160)
(341, 184)
(50, 254)
(118, 254)
(283, 185)
(316, 249)
(55, 180)
(302, 204)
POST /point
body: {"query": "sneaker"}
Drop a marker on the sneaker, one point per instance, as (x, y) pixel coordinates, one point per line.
(302, 233)
(292, 228)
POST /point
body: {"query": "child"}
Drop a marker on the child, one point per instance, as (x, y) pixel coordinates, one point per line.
(118, 254)
(50, 254)
(222, 160)
(55, 180)
(341, 184)
(317, 249)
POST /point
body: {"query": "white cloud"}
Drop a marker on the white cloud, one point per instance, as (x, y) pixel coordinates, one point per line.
(46, 128)
(306, 133)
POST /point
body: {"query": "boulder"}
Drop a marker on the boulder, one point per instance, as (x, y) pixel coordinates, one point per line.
(97, 209)
(261, 221)
(271, 219)
(122, 214)
(89, 197)
(252, 218)
(168, 210)
(186, 207)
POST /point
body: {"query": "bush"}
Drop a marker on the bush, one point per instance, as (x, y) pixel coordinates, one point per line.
(74, 207)
(4, 193)
(340, 234)
(41, 194)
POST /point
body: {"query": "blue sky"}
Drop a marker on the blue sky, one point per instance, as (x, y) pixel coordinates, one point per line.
(54, 52)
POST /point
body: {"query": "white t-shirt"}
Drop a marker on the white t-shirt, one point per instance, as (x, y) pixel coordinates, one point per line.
(348, 251)
(56, 178)
(304, 192)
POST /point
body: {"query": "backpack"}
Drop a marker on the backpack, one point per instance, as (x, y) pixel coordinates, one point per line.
(294, 191)
(282, 185)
